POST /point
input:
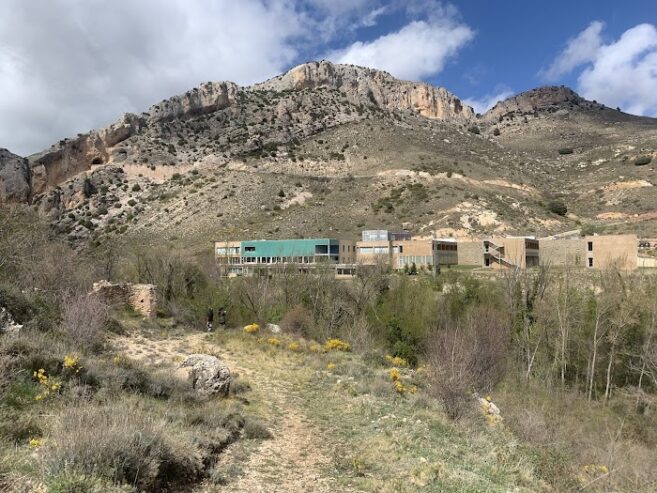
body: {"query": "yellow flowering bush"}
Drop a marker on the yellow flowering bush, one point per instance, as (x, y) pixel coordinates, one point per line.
(35, 442)
(330, 366)
(274, 342)
(72, 363)
(48, 385)
(252, 329)
(399, 387)
(396, 361)
(337, 345)
(294, 346)
(413, 389)
(315, 348)
(118, 359)
(591, 472)
(395, 374)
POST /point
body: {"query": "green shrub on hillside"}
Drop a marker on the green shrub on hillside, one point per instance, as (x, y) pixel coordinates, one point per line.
(557, 207)
(642, 160)
(566, 150)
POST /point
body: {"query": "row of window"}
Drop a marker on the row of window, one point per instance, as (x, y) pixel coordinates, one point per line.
(414, 259)
(286, 260)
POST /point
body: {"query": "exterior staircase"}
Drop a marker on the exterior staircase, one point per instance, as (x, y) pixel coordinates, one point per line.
(495, 252)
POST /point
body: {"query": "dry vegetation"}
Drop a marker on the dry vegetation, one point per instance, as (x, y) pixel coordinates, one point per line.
(375, 371)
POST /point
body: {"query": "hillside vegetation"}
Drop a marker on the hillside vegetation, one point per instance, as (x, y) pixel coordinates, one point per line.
(368, 388)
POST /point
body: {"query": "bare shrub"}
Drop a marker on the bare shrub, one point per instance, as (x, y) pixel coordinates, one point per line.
(468, 357)
(297, 320)
(83, 318)
(122, 443)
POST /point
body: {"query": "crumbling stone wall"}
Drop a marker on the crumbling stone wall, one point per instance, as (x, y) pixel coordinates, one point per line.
(141, 297)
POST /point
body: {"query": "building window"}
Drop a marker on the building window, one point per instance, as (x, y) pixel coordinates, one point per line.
(401, 249)
(590, 262)
(589, 246)
(487, 262)
(249, 249)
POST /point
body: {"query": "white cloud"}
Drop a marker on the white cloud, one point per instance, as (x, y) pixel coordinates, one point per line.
(417, 50)
(622, 73)
(581, 49)
(483, 104)
(67, 66)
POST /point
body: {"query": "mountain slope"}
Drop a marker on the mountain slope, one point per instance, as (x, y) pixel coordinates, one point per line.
(336, 148)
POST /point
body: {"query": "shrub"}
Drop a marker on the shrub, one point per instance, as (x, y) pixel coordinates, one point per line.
(557, 207)
(474, 129)
(337, 345)
(565, 150)
(642, 160)
(297, 320)
(84, 318)
(256, 430)
(122, 443)
(496, 131)
(251, 328)
(136, 187)
(468, 356)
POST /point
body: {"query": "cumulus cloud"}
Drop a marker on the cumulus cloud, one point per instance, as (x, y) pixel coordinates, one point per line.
(417, 50)
(581, 49)
(624, 73)
(483, 104)
(67, 66)
(621, 73)
(70, 65)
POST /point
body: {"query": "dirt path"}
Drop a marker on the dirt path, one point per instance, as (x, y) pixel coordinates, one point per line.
(296, 457)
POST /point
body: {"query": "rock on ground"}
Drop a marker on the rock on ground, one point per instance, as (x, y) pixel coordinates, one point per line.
(208, 374)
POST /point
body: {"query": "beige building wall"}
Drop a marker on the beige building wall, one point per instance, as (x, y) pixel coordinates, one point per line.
(470, 252)
(347, 252)
(563, 252)
(605, 251)
(226, 252)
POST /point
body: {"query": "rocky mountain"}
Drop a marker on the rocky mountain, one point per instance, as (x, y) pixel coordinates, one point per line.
(335, 148)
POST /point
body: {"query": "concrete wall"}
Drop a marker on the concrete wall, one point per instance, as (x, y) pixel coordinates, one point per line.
(612, 250)
(562, 252)
(347, 252)
(470, 252)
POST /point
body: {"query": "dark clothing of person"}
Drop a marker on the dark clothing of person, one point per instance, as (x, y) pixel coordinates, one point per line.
(222, 316)
(210, 319)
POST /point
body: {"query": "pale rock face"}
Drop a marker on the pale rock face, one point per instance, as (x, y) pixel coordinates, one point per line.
(15, 178)
(7, 323)
(368, 86)
(208, 97)
(207, 374)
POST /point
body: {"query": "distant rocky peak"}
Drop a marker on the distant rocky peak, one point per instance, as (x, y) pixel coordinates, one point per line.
(362, 85)
(537, 99)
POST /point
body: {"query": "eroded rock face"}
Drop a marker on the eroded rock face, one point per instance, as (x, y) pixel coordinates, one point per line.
(206, 98)
(368, 86)
(208, 374)
(15, 178)
(71, 157)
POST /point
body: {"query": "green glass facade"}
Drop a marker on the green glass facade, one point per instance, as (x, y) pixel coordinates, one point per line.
(307, 250)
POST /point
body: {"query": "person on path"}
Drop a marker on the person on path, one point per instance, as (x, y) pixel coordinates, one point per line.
(210, 319)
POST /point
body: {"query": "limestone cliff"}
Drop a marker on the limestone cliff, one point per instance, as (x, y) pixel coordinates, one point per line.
(361, 85)
(15, 178)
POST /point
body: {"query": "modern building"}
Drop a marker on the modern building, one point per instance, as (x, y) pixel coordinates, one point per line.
(399, 250)
(499, 252)
(245, 257)
(391, 249)
(596, 251)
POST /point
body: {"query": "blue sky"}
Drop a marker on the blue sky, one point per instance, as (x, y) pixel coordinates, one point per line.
(67, 66)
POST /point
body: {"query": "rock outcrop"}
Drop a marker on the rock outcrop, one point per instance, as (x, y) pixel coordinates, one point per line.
(141, 297)
(206, 98)
(361, 85)
(70, 157)
(538, 99)
(7, 323)
(15, 178)
(207, 374)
